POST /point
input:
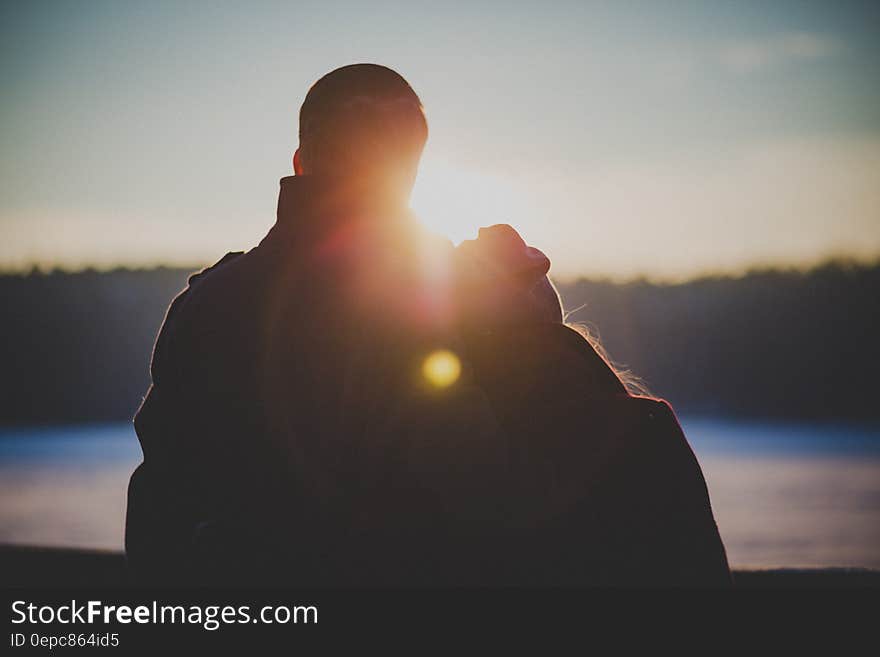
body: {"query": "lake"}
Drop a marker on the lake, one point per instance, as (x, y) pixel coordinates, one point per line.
(794, 495)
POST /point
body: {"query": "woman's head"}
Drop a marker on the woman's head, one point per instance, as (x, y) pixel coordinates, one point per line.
(502, 280)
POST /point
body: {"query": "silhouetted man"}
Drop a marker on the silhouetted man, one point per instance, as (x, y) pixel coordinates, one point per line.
(356, 402)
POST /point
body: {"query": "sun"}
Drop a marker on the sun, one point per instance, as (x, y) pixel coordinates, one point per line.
(457, 201)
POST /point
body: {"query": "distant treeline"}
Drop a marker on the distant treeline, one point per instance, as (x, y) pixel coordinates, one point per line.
(75, 346)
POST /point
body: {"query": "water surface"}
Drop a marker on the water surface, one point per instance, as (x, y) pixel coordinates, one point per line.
(784, 494)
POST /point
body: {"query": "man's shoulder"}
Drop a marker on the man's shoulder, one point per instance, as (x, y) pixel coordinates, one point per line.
(225, 260)
(209, 291)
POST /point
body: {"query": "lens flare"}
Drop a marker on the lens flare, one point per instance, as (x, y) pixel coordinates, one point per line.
(441, 368)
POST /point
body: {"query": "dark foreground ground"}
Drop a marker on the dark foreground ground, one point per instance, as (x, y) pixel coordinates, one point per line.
(51, 567)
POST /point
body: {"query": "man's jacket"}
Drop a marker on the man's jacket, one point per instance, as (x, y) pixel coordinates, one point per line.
(290, 435)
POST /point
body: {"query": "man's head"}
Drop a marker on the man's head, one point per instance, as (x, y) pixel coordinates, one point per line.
(362, 123)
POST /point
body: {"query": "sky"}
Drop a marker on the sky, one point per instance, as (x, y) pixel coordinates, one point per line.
(665, 139)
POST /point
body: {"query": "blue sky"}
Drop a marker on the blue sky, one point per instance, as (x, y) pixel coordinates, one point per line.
(658, 138)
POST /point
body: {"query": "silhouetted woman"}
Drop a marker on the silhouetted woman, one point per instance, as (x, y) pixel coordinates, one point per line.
(605, 487)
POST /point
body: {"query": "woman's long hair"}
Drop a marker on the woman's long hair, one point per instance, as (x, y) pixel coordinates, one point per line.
(632, 382)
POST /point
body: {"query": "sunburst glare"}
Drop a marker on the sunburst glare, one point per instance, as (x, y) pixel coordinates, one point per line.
(456, 202)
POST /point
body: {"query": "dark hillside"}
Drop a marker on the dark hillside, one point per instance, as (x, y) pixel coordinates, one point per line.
(75, 346)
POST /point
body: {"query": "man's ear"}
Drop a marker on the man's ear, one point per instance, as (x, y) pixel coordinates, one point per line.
(297, 164)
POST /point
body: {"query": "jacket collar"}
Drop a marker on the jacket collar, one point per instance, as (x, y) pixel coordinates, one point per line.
(309, 207)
